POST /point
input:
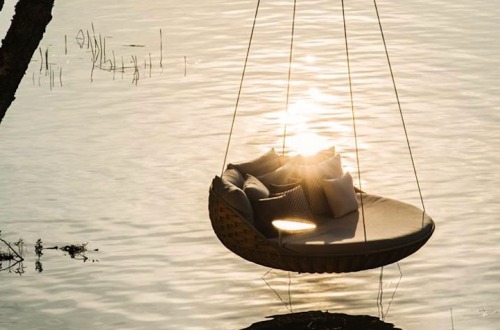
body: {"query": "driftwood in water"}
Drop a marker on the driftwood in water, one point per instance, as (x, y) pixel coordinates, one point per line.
(22, 39)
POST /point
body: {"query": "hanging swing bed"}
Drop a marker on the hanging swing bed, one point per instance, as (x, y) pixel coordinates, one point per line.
(304, 214)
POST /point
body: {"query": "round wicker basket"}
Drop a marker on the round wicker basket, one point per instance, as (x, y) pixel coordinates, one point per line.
(243, 239)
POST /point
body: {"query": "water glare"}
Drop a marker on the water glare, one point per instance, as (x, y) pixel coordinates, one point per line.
(123, 159)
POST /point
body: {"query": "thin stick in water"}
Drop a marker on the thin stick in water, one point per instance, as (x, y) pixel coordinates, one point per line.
(101, 48)
(136, 70)
(97, 50)
(60, 76)
(65, 45)
(113, 65)
(451, 314)
(10, 247)
(93, 30)
(150, 65)
(41, 58)
(161, 50)
(92, 51)
(80, 38)
(50, 78)
(185, 66)
(92, 72)
(47, 59)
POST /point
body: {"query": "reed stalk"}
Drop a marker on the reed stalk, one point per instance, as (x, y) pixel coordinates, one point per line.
(161, 50)
(80, 38)
(10, 247)
(92, 72)
(93, 29)
(41, 58)
(51, 78)
(47, 59)
(92, 51)
(104, 48)
(136, 70)
(101, 50)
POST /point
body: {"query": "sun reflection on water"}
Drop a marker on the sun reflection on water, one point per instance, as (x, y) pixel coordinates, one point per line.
(300, 119)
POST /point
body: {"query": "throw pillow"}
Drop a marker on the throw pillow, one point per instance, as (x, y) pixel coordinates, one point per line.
(234, 176)
(298, 208)
(281, 188)
(259, 166)
(332, 167)
(234, 196)
(314, 159)
(254, 189)
(340, 194)
(266, 210)
(279, 176)
(288, 206)
(312, 182)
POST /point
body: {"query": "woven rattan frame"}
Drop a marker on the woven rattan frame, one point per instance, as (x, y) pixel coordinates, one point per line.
(241, 237)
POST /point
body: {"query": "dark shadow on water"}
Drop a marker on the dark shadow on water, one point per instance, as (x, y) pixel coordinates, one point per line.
(318, 320)
(383, 305)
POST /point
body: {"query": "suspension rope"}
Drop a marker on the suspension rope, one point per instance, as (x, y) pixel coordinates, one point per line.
(353, 118)
(290, 60)
(241, 85)
(400, 109)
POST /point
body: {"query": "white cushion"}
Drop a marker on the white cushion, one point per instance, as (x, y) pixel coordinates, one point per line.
(340, 195)
(312, 181)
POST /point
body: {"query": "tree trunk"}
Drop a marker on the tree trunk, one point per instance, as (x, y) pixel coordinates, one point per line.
(25, 32)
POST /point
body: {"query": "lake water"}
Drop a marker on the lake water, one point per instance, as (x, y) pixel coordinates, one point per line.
(99, 157)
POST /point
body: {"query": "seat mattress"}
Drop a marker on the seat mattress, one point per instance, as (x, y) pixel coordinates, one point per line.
(390, 224)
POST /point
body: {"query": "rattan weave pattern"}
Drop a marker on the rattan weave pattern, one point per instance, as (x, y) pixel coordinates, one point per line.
(241, 237)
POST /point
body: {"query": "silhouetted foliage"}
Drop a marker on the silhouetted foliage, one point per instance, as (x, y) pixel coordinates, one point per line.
(22, 39)
(11, 259)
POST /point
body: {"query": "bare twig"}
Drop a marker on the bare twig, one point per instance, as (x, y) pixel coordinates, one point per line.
(12, 249)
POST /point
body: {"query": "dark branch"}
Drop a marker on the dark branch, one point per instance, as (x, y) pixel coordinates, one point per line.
(24, 35)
